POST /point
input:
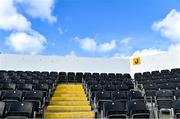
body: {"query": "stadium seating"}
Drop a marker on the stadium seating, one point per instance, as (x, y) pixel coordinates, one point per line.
(161, 88)
(35, 94)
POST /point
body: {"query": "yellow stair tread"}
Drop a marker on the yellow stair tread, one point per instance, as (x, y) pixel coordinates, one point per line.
(86, 114)
(69, 86)
(69, 92)
(74, 90)
(69, 98)
(69, 95)
(68, 108)
(68, 103)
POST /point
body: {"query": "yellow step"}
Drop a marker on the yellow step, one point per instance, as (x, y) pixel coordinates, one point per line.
(69, 95)
(68, 108)
(65, 90)
(69, 92)
(70, 86)
(70, 103)
(88, 114)
(69, 98)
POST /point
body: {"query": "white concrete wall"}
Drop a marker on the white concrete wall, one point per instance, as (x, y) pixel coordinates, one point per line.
(157, 62)
(76, 64)
(57, 63)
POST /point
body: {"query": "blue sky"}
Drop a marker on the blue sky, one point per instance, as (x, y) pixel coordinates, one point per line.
(90, 28)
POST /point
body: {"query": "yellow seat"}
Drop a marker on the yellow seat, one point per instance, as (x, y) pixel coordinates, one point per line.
(86, 114)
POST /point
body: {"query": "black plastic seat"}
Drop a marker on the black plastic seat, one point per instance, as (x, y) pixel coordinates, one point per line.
(177, 94)
(133, 95)
(176, 108)
(2, 108)
(7, 86)
(44, 88)
(71, 77)
(19, 81)
(129, 83)
(11, 95)
(24, 87)
(19, 110)
(115, 110)
(110, 87)
(167, 86)
(120, 95)
(101, 97)
(32, 81)
(122, 87)
(79, 77)
(36, 97)
(138, 109)
(164, 99)
(62, 77)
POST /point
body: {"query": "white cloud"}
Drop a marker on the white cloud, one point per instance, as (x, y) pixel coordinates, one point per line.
(147, 52)
(174, 47)
(61, 31)
(39, 9)
(126, 40)
(10, 19)
(87, 44)
(169, 26)
(90, 45)
(22, 42)
(22, 39)
(71, 54)
(106, 47)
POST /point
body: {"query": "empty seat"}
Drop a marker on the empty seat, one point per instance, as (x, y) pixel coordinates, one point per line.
(62, 77)
(19, 110)
(122, 87)
(71, 77)
(7, 86)
(12, 95)
(19, 81)
(79, 77)
(150, 86)
(169, 86)
(115, 109)
(2, 108)
(32, 81)
(133, 95)
(177, 94)
(110, 88)
(120, 95)
(101, 97)
(127, 76)
(44, 88)
(36, 97)
(24, 87)
(176, 108)
(138, 109)
(129, 83)
(164, 99)
(5, 80)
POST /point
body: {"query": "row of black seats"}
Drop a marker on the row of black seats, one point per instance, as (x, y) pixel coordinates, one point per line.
(158, 74)
(134, 109)
(38, 98)
(16, 110)
(103, 96)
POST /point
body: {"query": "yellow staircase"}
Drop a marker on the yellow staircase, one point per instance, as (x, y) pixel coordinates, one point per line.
(69, 101)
